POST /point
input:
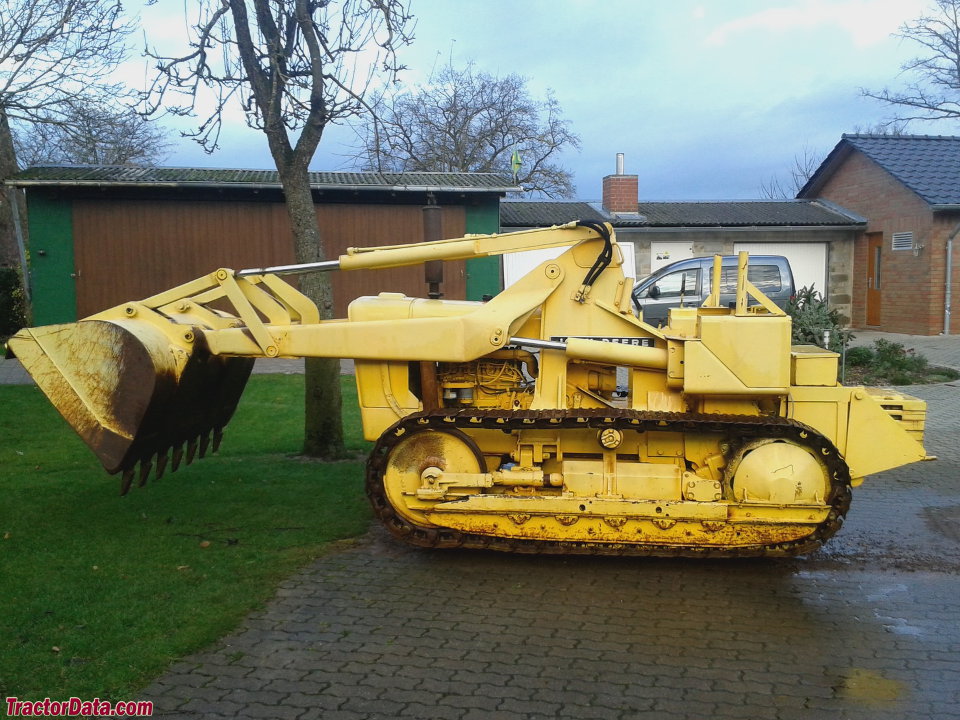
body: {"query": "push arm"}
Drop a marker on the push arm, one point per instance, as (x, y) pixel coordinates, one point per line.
(469, 246)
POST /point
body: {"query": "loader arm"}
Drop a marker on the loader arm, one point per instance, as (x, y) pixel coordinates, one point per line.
(272, 319)
(464, 248)
(165, 373)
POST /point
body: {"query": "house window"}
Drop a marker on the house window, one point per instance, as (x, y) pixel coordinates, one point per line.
(902, 241)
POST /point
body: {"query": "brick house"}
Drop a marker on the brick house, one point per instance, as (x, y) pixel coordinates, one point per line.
(907, 187)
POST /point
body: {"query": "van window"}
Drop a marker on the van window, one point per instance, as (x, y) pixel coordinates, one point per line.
(765, 277)
(676, 283)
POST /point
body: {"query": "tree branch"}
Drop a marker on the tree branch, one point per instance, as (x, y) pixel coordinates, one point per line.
(939, 34)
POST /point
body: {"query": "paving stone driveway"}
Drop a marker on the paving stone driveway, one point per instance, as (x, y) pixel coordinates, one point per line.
(866, 628)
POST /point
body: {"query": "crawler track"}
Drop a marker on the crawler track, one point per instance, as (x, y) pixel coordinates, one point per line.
(737, 428)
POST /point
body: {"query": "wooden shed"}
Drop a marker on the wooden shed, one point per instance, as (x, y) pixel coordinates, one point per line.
(100, 236)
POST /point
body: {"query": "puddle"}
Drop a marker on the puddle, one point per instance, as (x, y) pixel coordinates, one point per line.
(885, 592)
(897, 626)
(944, 520)
(869, 687)
(903, 630)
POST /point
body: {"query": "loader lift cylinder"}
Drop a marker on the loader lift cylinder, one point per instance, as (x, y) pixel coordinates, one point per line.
(433, 230)
(433, 277)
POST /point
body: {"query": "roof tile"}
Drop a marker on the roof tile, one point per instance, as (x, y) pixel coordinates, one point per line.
(929, 165)
(742, 213)
(134, 175)
(546, 213)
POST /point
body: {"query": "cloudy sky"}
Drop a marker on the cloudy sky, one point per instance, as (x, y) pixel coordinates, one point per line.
(706, 99)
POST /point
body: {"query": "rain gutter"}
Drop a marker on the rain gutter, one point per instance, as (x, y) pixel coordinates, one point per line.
(738, 228)
(256, 186)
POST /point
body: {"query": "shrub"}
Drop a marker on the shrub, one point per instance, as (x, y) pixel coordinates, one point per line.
(890, 363)
(12, 305)
(859, 356)
(888, 351)
(896, 356)
(895, 364)
(812, 318)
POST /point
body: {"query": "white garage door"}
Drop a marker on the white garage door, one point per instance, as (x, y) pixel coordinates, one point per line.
(518, 264)
(808, 260)
(664, 252)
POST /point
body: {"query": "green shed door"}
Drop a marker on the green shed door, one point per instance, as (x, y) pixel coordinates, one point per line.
(52, 277)
(483, 274)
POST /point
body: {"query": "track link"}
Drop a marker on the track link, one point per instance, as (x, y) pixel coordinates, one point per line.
(737, 427)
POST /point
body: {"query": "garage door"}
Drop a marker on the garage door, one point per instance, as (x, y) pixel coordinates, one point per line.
(808, 260)
(130, 248)
(664, 252)
(518, 264)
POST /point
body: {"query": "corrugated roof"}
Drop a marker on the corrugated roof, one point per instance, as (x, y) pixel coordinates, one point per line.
(120, 175)
(929, 165)
(546, 213)
(741, 213)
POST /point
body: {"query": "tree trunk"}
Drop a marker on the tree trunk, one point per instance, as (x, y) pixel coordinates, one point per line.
(323, 436)
(9, 254)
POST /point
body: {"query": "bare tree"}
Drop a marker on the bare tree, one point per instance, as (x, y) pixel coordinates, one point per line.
(933, 93)
(294, 66)
(891, 128)
(773, 189)
(465, 120)
(97, 135)
(805, 164)
(52, 53)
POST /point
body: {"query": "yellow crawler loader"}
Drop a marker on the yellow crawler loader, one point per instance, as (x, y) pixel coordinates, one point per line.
(550, 418)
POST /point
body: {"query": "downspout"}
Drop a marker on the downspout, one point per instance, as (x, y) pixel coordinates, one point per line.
(948, 281)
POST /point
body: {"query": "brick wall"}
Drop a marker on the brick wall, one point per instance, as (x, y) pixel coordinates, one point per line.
(912, 289)
(944, 225)
(620, 193)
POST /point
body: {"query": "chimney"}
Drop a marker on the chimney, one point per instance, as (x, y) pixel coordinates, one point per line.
(621, 192)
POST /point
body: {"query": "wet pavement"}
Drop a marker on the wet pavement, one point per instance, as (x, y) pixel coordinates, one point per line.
(865, 628)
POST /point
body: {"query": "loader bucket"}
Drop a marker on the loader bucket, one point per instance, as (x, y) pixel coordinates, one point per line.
(131, 394)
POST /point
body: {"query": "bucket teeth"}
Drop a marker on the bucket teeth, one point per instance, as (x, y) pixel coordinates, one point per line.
(162, 458)
(217, 438)
(204, 443)
(145, 467)
(177, 457)
(125, 389)
(191, 450)
(126, 480)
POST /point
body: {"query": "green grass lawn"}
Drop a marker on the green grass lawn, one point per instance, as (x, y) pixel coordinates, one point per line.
(101, 592)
